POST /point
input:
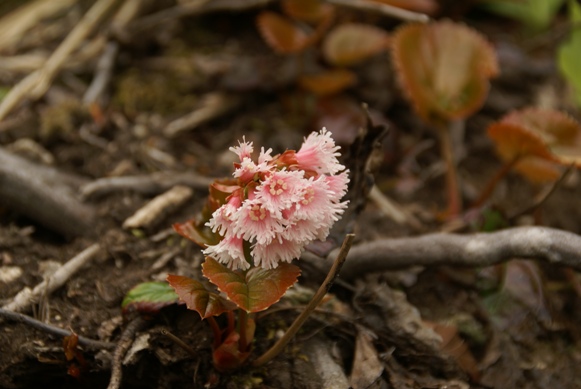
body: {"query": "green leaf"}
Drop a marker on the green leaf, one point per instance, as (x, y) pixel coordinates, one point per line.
(569, 54)
(254, 290)
(197, 298)
(149, 297)
(534, 13)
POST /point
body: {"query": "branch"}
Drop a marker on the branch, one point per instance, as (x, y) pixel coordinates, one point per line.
(44, 194)
(50, 329)
(481, 249)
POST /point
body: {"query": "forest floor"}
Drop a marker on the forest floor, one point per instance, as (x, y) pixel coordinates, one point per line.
(87, 163)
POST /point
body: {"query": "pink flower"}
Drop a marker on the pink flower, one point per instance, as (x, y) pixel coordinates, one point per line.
(230, 252)
(243, 150)
(254, 222)
(269, 255)
(282, 203)
(280, 190)
(319, 153)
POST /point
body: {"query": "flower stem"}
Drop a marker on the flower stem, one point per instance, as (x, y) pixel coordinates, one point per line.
(452, 186)
(317, 298)
(216, 331)
(242, 330)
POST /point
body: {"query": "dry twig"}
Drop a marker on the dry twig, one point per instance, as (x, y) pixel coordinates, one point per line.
(482, 249)
(122, 346)
(27, 297)
(50, 329)
(159, 207)
(385, 9)
(36, 84)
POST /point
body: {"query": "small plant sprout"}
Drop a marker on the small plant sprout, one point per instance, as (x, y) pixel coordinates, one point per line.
(256, 225)
(536, 143)
(444, 69)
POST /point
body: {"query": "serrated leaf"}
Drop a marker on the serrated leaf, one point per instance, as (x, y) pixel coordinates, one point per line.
(569, 54)
(512, 141)
(254, 290)
(444, 68)
(198, 298)
(352, 43)
(281, 34)
(149, 297)
(329, 82)
(199, 234)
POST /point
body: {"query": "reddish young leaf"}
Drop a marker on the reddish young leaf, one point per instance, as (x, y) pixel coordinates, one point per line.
(329, 82)
(560, 132)
(70, 346)
(281, 34)
(351, 43)
(197, 233)
(513, 141)
(197, 298)
(443, 68)
(254, 290)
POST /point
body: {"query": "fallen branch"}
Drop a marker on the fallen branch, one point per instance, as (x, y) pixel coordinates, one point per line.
(50, 329)
(475, 250)
(44, 194)
(27, 297)
(122, 346)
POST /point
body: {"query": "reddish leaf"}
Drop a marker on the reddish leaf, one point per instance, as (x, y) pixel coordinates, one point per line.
(513, 141)
(560, 132)
(197, 298)
(254, 290)
(199, 234)
(70, 346)
(443, 68)
(227, 356)
(349, 44)
(281, 34)
(329, 82)
(539, 170)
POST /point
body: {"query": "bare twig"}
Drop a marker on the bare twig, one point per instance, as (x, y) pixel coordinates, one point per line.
(44, 194)
(179, 342)
(150, 184)
(26, 297)
(159, 207)
(385, 9)
(544, 196)
(315, 301)
(103, 74)
(122, 346)
(211, 106)
(482, 249)
(50, 329)
(37, 83)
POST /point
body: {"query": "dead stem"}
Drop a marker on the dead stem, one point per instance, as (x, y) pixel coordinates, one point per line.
(493, 182)
(313, 304)
(452, 186)
(178, 342)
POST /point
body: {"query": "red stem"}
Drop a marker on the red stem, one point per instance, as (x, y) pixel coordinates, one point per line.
(243, 329)
(216, 331)
(452, 187)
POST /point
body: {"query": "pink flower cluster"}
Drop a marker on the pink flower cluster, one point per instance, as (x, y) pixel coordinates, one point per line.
(282, 203)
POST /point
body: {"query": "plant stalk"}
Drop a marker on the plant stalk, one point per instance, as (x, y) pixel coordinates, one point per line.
(493, 182)
(452, 186)
(243, 329)
(279, 346)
